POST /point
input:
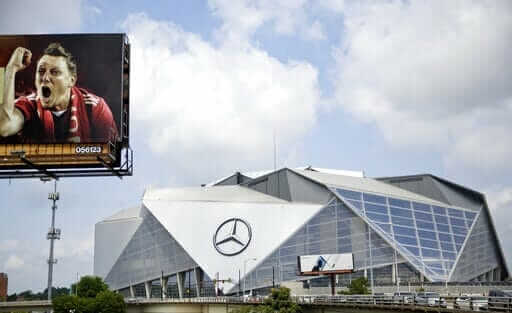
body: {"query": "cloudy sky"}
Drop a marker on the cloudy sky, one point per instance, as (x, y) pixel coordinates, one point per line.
(388, 87)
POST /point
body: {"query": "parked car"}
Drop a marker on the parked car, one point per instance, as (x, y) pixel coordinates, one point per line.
(430, 299)
(476, 303)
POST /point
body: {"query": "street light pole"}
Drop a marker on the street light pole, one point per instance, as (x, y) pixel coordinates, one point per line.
(371, 259)
(245, 263)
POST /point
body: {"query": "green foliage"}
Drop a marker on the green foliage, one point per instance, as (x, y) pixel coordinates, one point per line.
(90, 286)
(247, 309)
(12, 297)
(357, 287)
(93, 297)
(29, 295)
(68, 304)
(279, 301)
(421, 289)
(109, 302)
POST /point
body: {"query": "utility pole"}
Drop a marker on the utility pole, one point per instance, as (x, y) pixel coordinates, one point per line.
(371, 259)
(273, 278)
(53, 233)
(245, 274)
(162, 286)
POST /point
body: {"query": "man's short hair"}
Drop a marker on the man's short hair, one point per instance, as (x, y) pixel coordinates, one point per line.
(57, 50)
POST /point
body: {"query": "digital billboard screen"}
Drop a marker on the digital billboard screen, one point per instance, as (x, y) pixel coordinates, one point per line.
(325, 263)
(63, 98)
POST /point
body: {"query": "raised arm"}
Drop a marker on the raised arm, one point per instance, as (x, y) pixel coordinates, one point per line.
(11, 119)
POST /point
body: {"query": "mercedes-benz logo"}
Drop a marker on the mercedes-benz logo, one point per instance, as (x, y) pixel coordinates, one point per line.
(232, 236)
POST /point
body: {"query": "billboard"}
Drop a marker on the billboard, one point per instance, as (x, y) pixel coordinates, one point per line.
(64, 100)
(325, 264)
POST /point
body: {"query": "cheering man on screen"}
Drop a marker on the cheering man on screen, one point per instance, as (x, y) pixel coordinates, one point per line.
(58, 111)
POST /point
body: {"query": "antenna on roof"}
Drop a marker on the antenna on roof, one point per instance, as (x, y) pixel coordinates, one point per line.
(275, 151)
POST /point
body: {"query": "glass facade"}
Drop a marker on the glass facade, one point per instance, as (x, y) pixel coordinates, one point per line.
(151, 251)
(439, 241)
(335, 229)
(430, 236)
(480, 253)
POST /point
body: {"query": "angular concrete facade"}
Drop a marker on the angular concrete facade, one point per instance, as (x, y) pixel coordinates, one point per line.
(245, 233)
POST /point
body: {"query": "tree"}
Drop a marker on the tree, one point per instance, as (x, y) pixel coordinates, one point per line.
(90, 286)
(279, 301)
(67, 304)
(109, 302)
(12, 297)
(93, 297)
(56, 291)
(358, 286)
(29, 295)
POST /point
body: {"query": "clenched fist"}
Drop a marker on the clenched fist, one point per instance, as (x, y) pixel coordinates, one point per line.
(20, 59)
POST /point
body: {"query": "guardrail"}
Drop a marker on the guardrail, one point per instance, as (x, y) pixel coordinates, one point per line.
(463, 303)
(199, 300)
(35, 303)
(500, 304)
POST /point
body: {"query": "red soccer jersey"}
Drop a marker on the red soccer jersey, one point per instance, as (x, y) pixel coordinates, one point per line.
(90, 119)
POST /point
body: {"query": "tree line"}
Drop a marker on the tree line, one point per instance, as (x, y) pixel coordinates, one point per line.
(90, 295)
(28, 295)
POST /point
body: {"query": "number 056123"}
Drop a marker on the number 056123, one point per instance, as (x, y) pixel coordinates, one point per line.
(87, 149)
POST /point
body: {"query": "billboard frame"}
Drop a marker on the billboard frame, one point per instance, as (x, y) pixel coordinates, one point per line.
(34, 170)
(113, 159)
(320, 273)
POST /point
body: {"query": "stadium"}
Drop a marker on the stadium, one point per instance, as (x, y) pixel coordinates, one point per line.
(245, 232)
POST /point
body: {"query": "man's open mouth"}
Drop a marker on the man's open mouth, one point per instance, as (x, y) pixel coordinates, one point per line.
(46, 92)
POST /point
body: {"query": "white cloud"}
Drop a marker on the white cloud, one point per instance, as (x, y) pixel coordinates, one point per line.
(337, 6)
(315, 32)
(75, 247)
(203, 106)
(241, 19)
(49, 16)
(432, 74)
(499, 198)
(13, 262)
(95, 10)
(8, 244)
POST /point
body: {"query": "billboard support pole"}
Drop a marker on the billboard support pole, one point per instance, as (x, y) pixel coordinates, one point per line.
(333, 282)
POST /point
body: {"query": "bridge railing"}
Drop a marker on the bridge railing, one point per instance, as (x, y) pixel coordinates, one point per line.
(474, 303)
(231, 300)
(466, 303)
(500, 304)
(34, 303)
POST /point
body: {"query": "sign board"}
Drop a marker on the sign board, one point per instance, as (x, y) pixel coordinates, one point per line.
(325, 264)
(69, 103)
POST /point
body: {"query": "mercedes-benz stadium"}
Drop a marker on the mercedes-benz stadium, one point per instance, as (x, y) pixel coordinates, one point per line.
(246, 232)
